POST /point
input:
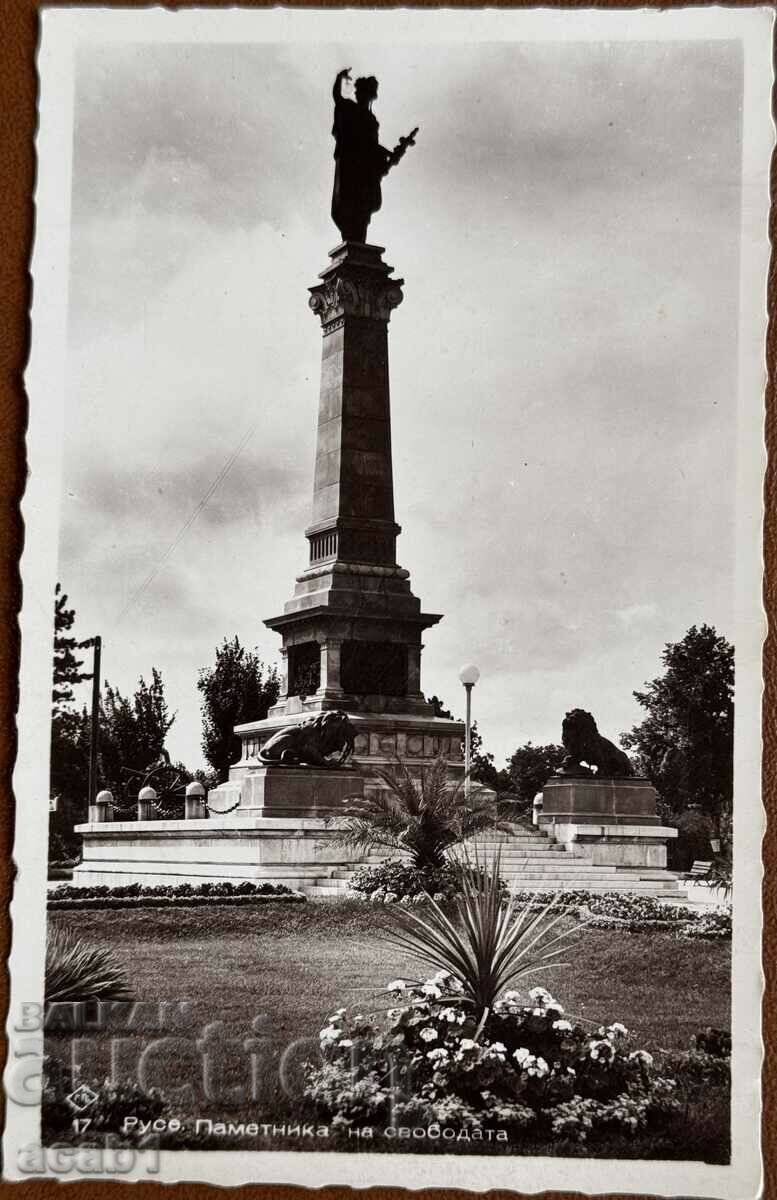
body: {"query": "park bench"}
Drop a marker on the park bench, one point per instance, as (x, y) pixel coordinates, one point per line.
(699, 870)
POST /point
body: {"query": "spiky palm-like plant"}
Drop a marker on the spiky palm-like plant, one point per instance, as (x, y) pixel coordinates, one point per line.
(77, 971)
(423, 815)
(488, 942)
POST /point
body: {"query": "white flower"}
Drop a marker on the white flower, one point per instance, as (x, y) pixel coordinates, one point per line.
(603, 1051)
(541, 995)
(440, 977)
(467, 1044)
(562, 1026)
(397, 985)
(437, 1055)
(449, 1015)
(428, 1034)
(512, 997)
(641, 1056)
(538, 1067)
(346, 1042)
(390, 898)
(521, 1055)
(617, 1030)
(497, 1050)
(430, 989)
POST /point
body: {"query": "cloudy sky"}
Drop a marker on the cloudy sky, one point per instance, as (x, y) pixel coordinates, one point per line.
(563, 367)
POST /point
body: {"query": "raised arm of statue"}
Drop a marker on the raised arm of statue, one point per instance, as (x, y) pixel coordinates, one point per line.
(337, 93)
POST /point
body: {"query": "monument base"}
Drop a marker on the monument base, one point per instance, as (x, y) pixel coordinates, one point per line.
(381, 739)
(268, 790)
(608, 822)
(294, 851)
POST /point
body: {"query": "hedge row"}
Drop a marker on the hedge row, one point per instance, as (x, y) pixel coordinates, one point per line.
(169, 901)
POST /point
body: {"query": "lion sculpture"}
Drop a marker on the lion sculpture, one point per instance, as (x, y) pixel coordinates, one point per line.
(312, 742)
(585, 745)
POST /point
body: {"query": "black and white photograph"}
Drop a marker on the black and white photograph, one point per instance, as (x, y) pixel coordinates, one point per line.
(388, 785)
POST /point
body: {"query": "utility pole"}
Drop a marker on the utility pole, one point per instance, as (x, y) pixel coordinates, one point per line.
(95, 730)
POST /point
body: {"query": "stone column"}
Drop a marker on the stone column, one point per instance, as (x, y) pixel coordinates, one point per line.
(330, 686)
(283, 690)
(414, 670)
(353, 492)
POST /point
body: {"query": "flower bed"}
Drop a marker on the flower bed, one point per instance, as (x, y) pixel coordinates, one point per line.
(135, 895)
(400, 882)
(429, 1062)
(643, 914)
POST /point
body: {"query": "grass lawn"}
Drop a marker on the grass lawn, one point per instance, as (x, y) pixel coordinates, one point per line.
(272, 975)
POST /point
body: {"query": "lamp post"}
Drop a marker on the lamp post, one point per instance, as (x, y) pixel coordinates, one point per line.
(96, 642)
(469, 676)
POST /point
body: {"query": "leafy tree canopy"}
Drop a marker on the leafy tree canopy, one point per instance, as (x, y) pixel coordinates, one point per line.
(531, 766)
(67, 666)
(238, 688)
(482, 769)
(132, 731)
(685, 745)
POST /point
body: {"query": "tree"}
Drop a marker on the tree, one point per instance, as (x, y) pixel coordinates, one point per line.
(69, 763)
(132, 732)
(482, 767)
(531, 766)
(237, 689)
(424, 815)
(685, 745)
(67, 667)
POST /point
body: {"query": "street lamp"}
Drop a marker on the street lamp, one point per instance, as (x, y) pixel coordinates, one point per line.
(469, 676)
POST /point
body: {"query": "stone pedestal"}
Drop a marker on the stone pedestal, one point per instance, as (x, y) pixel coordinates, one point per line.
(284, 791)
(610, 822)
(381, 738)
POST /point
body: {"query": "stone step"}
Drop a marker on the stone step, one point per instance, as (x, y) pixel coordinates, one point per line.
(334, 890)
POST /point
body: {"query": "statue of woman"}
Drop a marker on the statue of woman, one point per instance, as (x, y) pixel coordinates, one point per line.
(360, 160)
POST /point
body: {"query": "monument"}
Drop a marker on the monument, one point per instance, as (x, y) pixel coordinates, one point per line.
(352, 631)
(597, 807)
(352, 639)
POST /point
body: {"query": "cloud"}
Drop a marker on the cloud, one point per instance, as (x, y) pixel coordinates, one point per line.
(562, 367)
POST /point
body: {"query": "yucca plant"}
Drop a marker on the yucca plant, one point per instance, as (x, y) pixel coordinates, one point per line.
(79, 972)
(423, 815)
(487, 942)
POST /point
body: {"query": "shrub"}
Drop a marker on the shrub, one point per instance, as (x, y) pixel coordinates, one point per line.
(716, 1042)
(403, 880)
(488, 942)
(430, 1061)
(137, 891)
(76, 971)
(421, 814)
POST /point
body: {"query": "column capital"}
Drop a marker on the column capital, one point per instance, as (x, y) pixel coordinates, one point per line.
(357, 284)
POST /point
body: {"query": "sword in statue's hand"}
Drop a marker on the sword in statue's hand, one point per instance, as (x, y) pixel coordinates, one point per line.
(399, 150)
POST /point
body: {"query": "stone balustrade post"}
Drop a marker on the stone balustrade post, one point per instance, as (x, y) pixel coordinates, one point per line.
(194, 802)
(146, 797)
(536, 809)
(102, 809)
